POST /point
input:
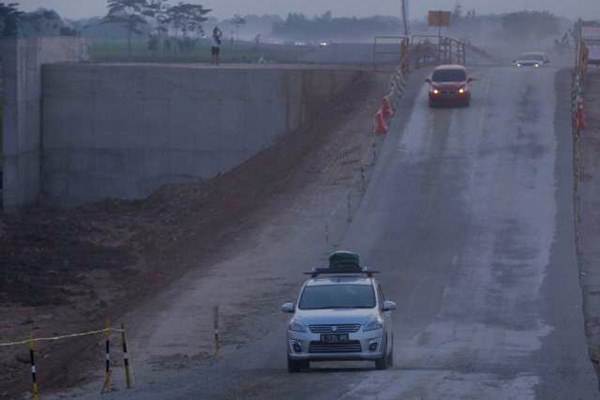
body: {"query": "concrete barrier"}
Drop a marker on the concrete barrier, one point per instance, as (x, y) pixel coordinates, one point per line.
(21, 65)
(122, 131)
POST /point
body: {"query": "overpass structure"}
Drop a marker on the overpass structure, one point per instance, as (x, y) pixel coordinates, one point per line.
(77, 132)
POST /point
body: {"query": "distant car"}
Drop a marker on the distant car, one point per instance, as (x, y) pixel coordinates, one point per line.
(323, 44)
(449, 85)
(532, 59)
(340, 315)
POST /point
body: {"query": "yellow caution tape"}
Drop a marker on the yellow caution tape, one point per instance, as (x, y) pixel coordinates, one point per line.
(55, 338)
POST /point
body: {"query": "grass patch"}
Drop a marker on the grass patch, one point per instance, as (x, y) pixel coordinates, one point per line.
(239, 52)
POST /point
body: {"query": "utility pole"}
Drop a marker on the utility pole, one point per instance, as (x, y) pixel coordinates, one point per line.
(405, 16)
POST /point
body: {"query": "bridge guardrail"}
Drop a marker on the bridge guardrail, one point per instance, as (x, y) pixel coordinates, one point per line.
(577, 92)
(434, 49)
(390, 49)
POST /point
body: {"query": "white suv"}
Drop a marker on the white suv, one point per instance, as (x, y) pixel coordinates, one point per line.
(341, 315)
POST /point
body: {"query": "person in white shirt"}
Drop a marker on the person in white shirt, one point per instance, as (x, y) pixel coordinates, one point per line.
(216, 46)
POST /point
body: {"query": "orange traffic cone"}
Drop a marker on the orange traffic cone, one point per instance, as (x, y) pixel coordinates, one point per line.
(381, 127)
(386, 107)
(580, 117)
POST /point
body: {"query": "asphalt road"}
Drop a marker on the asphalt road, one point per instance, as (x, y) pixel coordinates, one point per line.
(471, 220)
(469, 217)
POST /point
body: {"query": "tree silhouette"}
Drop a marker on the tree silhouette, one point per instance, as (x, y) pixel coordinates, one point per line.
(531, 24)
(132, 14)
(9, 19)
(327, 26)
(158, 11)
(187, 18)
(238, 21)
(42, 22)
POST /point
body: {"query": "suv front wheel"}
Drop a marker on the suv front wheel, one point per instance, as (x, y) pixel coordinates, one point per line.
(297, 365)
(387, 360)
(382, 363)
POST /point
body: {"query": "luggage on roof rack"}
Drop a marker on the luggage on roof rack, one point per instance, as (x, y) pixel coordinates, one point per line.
(342, 262)
(345, 259)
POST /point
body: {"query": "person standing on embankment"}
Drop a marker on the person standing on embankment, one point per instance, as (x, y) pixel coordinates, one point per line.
(216, 46)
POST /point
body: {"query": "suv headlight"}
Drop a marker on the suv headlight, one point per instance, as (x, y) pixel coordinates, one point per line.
(373, 326)
(296, 327)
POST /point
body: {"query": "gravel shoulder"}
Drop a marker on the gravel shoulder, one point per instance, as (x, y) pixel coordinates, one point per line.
(587, 200)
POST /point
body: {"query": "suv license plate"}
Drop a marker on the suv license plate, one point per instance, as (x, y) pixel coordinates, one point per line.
(340, 338)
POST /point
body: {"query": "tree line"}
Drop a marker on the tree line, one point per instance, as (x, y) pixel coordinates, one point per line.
(170, 25)
(326, 26)
(157, 19)
(160, 18)
(9, 19)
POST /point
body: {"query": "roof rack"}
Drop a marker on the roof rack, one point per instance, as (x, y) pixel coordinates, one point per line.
(342, 262)
(342, 270)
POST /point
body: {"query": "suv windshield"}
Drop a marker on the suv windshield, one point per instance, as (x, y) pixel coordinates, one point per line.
(532, 56)
(449, 75)
(337, 296)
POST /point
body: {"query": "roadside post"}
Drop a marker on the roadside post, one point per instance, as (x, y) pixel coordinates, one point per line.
(35, 388)
(107, 387)
(126, 364)
(216, 330)
(439, 19)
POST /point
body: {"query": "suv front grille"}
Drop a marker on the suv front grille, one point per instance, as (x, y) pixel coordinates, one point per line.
(348, 347)
(343, 328)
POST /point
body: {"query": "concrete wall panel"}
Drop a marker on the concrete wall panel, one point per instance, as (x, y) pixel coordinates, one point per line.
(122, 131)
(22, 60)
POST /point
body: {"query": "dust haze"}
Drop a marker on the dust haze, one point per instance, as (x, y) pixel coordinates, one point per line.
(224, 9)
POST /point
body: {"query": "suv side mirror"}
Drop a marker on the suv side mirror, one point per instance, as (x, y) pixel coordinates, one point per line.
(288, 308)
(471, 80)
(428, 80)
(389, 306)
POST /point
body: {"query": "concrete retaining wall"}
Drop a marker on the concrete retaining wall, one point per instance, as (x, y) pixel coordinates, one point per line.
(122, 131)
(22, 60)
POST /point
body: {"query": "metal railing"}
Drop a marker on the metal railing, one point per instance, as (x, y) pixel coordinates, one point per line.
(390, 50)
(435, 50)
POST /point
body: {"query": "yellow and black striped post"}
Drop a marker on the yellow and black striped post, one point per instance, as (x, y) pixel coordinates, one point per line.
(126, 357)
(35, 388)
(216, 330)
(107, 371)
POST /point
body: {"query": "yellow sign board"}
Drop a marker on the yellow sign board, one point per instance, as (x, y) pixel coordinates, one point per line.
(439, 18)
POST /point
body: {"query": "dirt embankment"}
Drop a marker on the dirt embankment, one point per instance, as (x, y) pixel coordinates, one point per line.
(66, 271)
(587, 201)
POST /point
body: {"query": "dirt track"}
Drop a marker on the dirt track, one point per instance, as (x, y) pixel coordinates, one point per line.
(66, 271)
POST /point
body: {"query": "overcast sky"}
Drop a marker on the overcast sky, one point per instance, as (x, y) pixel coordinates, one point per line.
(225, 8)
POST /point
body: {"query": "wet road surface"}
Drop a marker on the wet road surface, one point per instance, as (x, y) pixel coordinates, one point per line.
(469, 218)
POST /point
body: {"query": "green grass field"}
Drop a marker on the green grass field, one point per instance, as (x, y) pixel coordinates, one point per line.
(240, 52)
